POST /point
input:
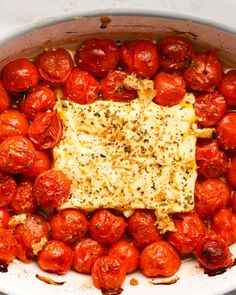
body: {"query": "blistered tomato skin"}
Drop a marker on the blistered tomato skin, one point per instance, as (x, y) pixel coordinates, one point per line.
(54, 66)
(142, 227)
(69, 226)
(189, 231)
(51, 188)
(97, 56)
(41, 99)
(231, 176)
(112, 87)
(176, 53)
(7, 246)
(86, 252)
(12, 123)
(159, 259)
(20, 75)
(226, 132)
(5, 99)
(4, 217)
(140, 57)
(227, 88)
(46, 130)
(233, 202)
(7, 189)
(127, 253)
(81, 87)
(17, 154)
(204, 72)
(206, 148)
(211, 195)
(106, 227)
(170, 88)
(56, 257)
(209, 108)
(108, 273)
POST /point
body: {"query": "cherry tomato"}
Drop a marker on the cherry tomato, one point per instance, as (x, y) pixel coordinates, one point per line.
(7, 246)
(7, 189)
(31, 234)
(176, 53)
(5, 99)
(224, 224)
(142, 227)
(55, 257)
(69, 226)
(159, 259)
(86, 252)
(206, 148)
(189, 231)
(108, 273)
(227, 88)
(209, 108)
(204, 72)
(4, 217)
(23, 201)
(40, 100)
(46, 130)
(211, 195)
(51, 188)
(54, 66)
(213, 253)
(113, 88)
(12, 123)
(81, 87)
(170, 89)
(226, 132)
(141, 57)
(127, 253)
(20, 75)
(41, 164)
(97, 56)
(17, 154)
(106, 227)
(233, 202)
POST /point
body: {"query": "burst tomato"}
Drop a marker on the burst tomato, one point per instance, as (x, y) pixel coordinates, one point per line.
(227, 88)
(7, 189)
(7, 246)
(4, 217)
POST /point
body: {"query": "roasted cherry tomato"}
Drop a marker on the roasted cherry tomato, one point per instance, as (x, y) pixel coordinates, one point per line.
(7, 189)
(69, 226)
(108, 273)
(209, 108)
(170, 89)
(40, 100)
(51, 188)
(213, 254)
(17, 154)
(4, 217)
(41, 164)
(55, 257)
(127, 253)
(5, 99)
(97, 56)
(54, 66)
(7, 246)
(114, 89)
(20, 75)
(31, 232)
(233, 202)
(189, 231)
(206, 148)
(159, 259)
(46, 130)
(224, 224)
(211, 195)
(176, 53)
(227, 88)
(12, 123)
(106, 227)
(204, 72)
(142, 227)
(86, 252)
(141, 57)
(226, 132)
(81, 87)
(23, 201)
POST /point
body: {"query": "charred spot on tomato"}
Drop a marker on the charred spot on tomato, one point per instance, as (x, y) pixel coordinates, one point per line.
(3, 267)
